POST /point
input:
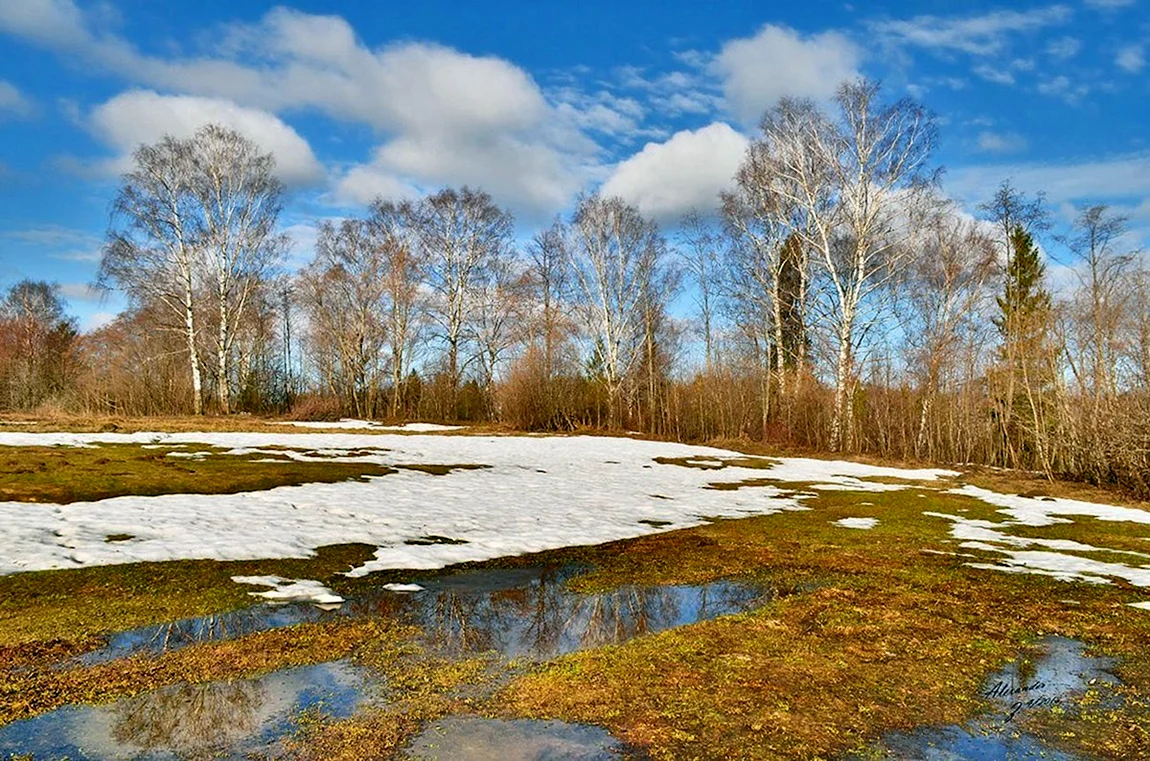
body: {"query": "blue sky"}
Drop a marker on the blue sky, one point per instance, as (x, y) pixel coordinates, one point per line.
(538, 101)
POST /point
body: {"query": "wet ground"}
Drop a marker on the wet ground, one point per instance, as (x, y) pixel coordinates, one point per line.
(1061, 670)
(519, 613)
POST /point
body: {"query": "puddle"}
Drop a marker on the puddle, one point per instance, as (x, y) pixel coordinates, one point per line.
(519, 613)
(516, 612)
(1062, 671)
(477, 739)
(209, 720)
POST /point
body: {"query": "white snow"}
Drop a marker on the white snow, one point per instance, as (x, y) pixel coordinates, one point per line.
(1142, 605)
(403, 587)
(989, 536)
(290, 590)
(353, 424)
(538, 493)
(863, 523)
(1035, 511)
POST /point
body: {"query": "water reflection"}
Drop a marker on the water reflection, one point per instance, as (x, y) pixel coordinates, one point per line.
(532, 613)
(517, 612)
(477, 739)
(192, 721)
(1062, 671)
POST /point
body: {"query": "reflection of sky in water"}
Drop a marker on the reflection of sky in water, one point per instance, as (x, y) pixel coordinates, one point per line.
(476, 739)
(1061, 671)
(516, 612)
(190, 720)
(519, 612)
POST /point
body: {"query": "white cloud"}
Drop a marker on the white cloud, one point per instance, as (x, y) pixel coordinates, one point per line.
(687, 171)
(1061, 87)
(1131, 58)
(981, 35)
(81, 292)
(143, 116)
(999, 142)
(1064, 47)
(994, 74)
(444, 116)
(778, 62)
(13, 102)
(1110, 179)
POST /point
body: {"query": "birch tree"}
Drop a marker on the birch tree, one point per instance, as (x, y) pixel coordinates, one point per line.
(153, 246)
(344, 290)
(462, 232)
(699, 249)
(239, 200)
(614, 257)
(852, 182)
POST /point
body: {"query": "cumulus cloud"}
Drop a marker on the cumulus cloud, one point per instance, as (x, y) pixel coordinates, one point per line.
(778, 62)
(143, 116)
(687, 171)
(443, 116)
(13, 102)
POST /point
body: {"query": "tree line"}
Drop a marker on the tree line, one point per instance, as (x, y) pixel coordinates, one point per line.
(840, 303)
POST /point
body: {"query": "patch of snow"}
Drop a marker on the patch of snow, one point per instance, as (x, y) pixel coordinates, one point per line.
(403, 587)
(537, 493)
(353, 424)
(1142, 605)
(989, 536)
(290, 590)
(970, 530)
(863, 523)
(1034, 511)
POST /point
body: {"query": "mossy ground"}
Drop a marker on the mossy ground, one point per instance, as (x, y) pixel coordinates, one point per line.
(874, 635)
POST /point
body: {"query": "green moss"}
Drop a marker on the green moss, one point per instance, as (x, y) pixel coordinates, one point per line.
(81, 474)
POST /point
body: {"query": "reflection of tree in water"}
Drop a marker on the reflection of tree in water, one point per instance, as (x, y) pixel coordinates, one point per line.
(193, 720)
(540, 617)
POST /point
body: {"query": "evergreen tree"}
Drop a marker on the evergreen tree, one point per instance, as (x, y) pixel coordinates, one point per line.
(1024, 305)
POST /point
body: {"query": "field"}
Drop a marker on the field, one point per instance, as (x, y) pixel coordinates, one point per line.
(266, 590)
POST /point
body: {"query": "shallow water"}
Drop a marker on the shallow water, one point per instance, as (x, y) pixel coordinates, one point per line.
(478, 739)
(210, 720)
(1061, 671)
(519, 613)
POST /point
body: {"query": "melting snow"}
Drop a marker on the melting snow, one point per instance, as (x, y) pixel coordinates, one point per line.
(353, 424)
(1041, 511)
(989, 537)
(1142, 605)
(290, 590)
(863, 523)
(403, 587)
(538, 493)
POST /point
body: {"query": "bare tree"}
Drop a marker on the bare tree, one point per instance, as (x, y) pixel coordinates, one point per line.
(200, 210)
(462, 232)
(152, 250)
(852, 183)
(614, 257)
(239, 200)
(37, 344)
(699, 249)
(344, 290)
(395, 233)
(947, 282)
(549, 278)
